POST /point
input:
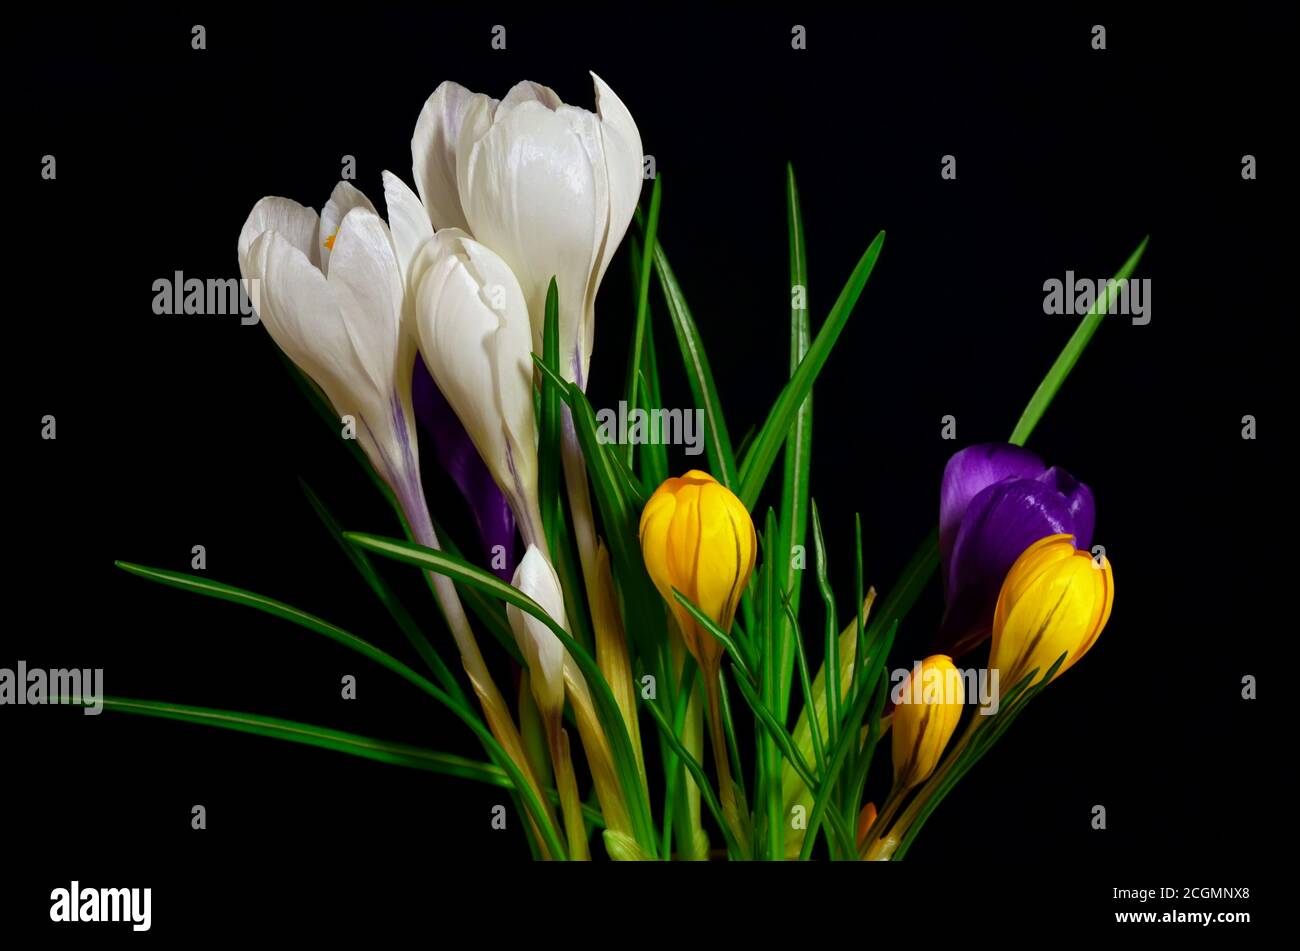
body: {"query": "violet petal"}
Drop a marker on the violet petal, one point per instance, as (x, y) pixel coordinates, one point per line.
(456, 454)
(999, 524)
(968, 473)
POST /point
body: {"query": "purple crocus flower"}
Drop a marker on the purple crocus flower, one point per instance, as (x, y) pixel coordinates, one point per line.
(996, 500)
(456, 454)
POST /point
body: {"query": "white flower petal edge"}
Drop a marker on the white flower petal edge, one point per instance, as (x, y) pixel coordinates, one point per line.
(409, 223)
(296, 223)
(343, 199)
(624, 164)
(433, 151)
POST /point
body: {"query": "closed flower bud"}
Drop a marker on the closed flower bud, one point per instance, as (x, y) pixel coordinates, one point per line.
(541, 648)
(697, 537)
(1055, 600)
(929, 704)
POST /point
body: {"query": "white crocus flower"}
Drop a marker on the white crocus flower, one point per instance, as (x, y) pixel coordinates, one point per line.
(474, 334)
(549, 187)
(331, 296)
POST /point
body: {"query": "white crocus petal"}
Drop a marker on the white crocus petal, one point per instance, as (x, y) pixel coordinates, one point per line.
(343, 199)
(476, 339)
(537, 642)
(297, 224)
(534, 190)
(408, 221)
(624, 166)
(527, 91)
(344, 329)
(552, 189)
(433, 151)
(368, 284)
(299, 310)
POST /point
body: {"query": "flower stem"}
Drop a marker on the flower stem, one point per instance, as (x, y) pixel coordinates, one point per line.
(570, 800)
(495, 709)
(721, 760)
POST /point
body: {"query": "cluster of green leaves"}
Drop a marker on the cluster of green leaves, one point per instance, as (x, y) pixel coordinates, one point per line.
(766, 647)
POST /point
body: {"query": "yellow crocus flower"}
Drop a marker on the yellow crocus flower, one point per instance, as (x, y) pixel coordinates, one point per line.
(697, 537)
(1055, 600)
(925, 719)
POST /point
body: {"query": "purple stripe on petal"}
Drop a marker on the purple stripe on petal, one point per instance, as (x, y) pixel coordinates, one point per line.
(455, 452)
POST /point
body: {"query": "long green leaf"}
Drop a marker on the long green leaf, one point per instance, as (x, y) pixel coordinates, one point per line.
(697, 773)
(798, 446)
(743, 663)
(611, 718)
(550, 481)
(767, 444)
(1073, 349)
(386, 596)
(635, 397)
(619, 499)
(926, 559)
(309, 734)
(699, 375)
(982, 741)
(340, 741)
(224, 592)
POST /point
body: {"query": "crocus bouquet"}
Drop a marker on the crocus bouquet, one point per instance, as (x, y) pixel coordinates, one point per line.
(639, 617)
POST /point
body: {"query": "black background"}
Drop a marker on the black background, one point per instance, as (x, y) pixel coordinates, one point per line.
(177, 431)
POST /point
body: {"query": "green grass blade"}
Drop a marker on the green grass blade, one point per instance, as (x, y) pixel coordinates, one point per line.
(776, 732)
(770, 637)
(383, 751)
(743, 662)
(831, 656)
(699, 375)
(985, 737)
(611, 718)
(549, 478)
(1069, 356)
(619, 497)
(224, 592)
(550, 481)
(635, 397)
(654, 456)
(823, 802)
(340, 741)
(697, 773)
(798, 445)
(776, 428)
(926, 559)
(381, 589)
(805, 683)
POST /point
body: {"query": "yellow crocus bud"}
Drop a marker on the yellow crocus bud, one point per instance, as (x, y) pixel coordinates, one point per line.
(697, 537)
(925, 718)
(1055, 600)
